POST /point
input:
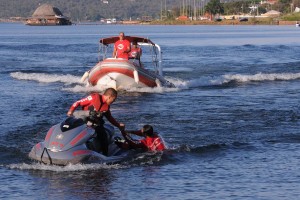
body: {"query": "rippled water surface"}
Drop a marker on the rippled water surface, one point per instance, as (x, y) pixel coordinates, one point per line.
(231, 124)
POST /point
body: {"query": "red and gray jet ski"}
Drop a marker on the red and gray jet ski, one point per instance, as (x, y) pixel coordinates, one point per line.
(73, 141)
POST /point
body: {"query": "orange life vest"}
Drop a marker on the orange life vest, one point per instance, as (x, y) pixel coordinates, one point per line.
(135, 53)
(154, 143)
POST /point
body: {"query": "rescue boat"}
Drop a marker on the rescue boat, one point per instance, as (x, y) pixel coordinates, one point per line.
(119, 73)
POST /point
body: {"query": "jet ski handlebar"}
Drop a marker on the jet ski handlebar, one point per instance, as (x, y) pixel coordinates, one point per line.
(90, 117)
(95, 116)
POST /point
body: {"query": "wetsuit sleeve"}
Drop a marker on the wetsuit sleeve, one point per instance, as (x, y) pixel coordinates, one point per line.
(139, 132)
(110, 118)
(82, 102)
(133, 143)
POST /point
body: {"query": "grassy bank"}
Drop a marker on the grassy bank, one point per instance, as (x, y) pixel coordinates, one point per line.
(291, 17)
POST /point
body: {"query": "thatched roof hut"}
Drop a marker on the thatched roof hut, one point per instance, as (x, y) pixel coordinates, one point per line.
(46, 10)
(46, 14)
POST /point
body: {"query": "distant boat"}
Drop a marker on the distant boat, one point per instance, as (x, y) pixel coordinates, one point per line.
(121, 73)
(297, 24)
(243, 19)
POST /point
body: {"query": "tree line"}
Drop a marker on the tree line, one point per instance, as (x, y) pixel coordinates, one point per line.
(241, 7)
(94, 10)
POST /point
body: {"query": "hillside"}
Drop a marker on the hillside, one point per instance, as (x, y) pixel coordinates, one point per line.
(80, 10)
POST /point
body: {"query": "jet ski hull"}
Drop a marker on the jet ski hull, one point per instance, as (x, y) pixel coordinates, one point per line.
(73, 142)
(75, 156)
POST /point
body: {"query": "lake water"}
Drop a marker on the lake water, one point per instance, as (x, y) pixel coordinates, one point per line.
(231, 124)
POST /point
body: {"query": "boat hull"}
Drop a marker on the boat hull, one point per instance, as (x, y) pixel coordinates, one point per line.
(120, 74)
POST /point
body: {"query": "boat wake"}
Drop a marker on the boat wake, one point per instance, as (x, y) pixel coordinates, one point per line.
(147, 158)
(70, 167)
(46, 78)
(72, 83)
(173, 153)
(239, 78)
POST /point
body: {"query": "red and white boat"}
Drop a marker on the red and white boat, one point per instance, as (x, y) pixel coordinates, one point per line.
(121, 73)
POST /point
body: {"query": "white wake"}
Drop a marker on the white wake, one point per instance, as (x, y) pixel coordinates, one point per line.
(239, 78)
(70, 167)
(73, 84)
(46, 78)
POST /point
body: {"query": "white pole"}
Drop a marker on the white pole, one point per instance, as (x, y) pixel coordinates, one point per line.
(160, 72)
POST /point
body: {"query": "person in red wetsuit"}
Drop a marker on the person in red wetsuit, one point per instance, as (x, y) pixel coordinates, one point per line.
(100, 103)
(136, 52)
(121, 47)
(151, 141)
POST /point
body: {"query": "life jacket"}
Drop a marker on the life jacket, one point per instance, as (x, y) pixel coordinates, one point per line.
(121, 46)
(135, 53)
(96, 103)
(154, 143)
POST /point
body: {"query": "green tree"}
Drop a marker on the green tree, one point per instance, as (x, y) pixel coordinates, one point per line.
(214, 7)
(237, 7)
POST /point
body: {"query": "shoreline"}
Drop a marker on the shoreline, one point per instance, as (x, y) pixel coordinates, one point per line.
(178, 22)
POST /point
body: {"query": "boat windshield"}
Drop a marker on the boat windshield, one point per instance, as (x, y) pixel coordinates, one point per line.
(151, 52)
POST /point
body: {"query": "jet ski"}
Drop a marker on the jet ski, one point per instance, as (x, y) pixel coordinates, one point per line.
(73, 141)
